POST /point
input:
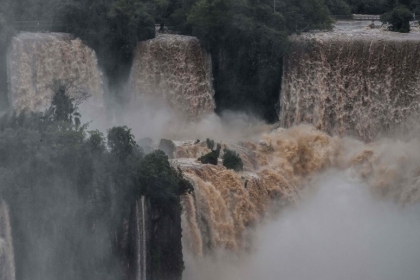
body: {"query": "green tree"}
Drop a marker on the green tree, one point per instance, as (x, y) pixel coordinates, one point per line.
(63, 107)
(96, 142)
(160, 181)
(210, 143)
(247, 40)
(376, 7)
(112, 29)
(121, 141)
(68, 189)
(338, 7)
(212, 157)
(398, 19)
(232, 160)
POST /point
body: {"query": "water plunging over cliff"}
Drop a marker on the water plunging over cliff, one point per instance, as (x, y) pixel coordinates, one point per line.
(174, 69)
(226, 204)
(7, 259)
(337, 229)
(35, 60)
(141, 239)
(360, 82)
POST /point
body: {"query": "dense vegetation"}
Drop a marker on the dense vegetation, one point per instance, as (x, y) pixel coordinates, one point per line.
(381, 6)
(213, 156)
(247, 40)
(398, 19)
(69, 191)
(232, 160)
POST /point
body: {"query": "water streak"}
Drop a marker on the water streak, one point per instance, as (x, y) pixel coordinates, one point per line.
(7, 259)
(141, 239)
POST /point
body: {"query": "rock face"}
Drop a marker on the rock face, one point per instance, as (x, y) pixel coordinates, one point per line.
(166, 242)
(36, 60)
(151, 242)
(351, 82)
(177, 70)
(7, 259)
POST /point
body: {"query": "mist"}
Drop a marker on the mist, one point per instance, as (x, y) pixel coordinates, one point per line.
(338, 229)
(155, 119)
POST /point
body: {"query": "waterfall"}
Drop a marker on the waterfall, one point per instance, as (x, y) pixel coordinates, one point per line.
(36, 60)
(174, 69)
(7, 262)
(354, 82)
(141, 239)
(225, 204)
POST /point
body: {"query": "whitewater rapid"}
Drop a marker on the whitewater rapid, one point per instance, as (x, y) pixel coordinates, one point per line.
(338, 229)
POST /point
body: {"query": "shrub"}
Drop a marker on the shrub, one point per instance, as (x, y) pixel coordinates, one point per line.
(232, 160)
(168, 147)
(121, 141)
(212, 157)
(398, 19)
(159, 181)
(210, 144)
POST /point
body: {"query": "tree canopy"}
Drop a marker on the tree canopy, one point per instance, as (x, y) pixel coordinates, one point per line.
(378, 7)
(398, 19)
(69, 190)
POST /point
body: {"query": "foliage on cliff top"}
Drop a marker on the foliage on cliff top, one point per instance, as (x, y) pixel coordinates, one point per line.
(398, 19)
(211, 157)
(378, 7)
(69, 190)
(338, 7)
(232, 160)
(247, 40)
(111, 28)
(160, 181)
(210, 143)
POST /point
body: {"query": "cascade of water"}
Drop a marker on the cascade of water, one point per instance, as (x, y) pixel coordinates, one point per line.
(144, 237)
(358, 82)
(36, 60)
(141, 239)
(7, 262)
(226, 203)
(337, 230)
(174, 69)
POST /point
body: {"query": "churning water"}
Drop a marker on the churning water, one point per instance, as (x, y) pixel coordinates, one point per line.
(338, 230)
